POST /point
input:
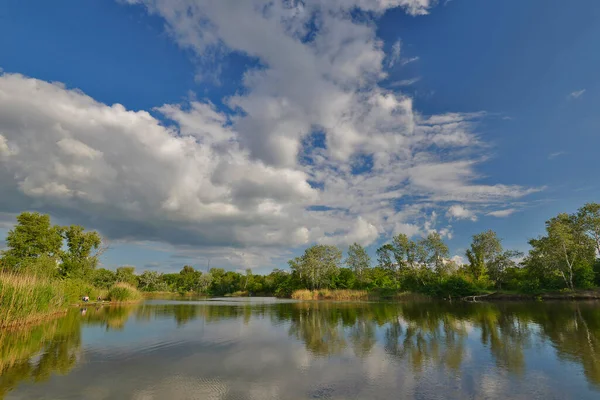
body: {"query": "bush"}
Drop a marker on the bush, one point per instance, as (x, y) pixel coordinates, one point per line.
(103, 278)
(457, 286)
(123, 292)
(584, 277)
(75, 289)
(530, 286)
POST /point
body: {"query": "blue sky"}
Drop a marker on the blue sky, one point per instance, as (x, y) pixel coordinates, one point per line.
(248, 132)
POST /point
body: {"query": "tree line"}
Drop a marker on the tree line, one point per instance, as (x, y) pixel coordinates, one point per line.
(564, 258)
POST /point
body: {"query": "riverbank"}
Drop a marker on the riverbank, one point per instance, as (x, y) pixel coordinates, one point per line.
(390, 295)
(578, 294)
(357, 295)
(28, 299)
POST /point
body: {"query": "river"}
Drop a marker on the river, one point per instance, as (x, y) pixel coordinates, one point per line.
(261, 348)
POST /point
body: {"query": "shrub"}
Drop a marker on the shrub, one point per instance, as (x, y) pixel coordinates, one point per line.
(530, 286)
(456, 286)
(123, 292)
(75, 289)
(584, 277)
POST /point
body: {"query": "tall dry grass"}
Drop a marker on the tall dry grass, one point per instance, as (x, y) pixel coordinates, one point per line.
(327, 294)
(26, 299)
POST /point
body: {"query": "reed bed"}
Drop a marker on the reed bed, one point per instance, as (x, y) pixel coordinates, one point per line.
(25, 299)
(123, 292)
(327, 294)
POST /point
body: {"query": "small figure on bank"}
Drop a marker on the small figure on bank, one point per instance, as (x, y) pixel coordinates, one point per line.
(86, 299)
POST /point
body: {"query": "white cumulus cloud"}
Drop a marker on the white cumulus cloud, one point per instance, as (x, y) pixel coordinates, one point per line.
(246, 177)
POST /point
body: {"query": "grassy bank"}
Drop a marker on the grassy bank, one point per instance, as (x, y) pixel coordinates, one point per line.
(26, 299)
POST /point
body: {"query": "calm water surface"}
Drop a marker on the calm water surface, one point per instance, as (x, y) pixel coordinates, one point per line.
(267, 349)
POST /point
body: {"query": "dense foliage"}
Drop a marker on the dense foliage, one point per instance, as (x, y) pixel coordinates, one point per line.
(565, 258)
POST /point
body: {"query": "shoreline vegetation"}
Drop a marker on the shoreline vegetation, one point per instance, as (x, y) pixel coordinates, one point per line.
(45, 268)
(48, 268)
(361, 295)
(29, 299)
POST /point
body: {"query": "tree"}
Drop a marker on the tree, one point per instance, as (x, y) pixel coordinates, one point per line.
(589, 218)
(78, 261)
(564, 247)
(103, 278)
(189, 279)
(485, 247)
(32, 239)
(359, 261)
(126, 274)
(407, 253)
(204, 282)
(150, 281)
(318, 265)
(248, 278)
(500, 264)
(436, 252)
(384, 257)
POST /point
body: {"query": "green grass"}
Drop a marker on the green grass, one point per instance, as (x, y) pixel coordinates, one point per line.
(75, 289)
(26, 299)
(123, 292)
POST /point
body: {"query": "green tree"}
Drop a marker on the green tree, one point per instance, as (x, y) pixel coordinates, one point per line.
(204, 282)
(189, 279)
(499, 265)
(564, 248)
(150, 281)
(436, 253)
(407, 252)
(359, 261)
(32, 239)
(78, 261)
(248, 279)
(318, 265)
(384, 257)
(127, 274)
(103, 278)
(589, 218)
(485, 247)
(172, 281)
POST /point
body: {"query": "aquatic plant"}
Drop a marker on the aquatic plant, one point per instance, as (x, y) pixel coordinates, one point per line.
(122, 292)
(27, 298)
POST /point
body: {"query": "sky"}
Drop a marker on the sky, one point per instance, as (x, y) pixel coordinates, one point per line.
(236, 134)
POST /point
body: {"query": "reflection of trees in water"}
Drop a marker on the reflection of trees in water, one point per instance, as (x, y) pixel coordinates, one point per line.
(425, 333)
(362, 337)
(56, 342)
(574, 329)
(35, 353)
(113, 317)
(436, 333)
(419, 334)
(319, 330)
